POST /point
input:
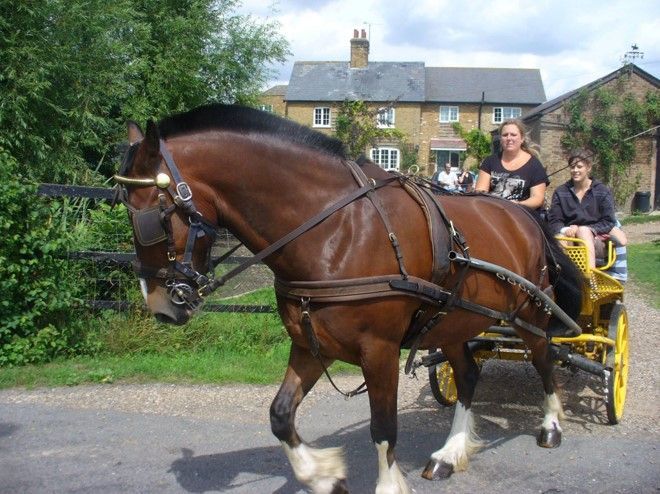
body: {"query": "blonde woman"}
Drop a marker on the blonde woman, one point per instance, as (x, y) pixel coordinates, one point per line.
(515, 173)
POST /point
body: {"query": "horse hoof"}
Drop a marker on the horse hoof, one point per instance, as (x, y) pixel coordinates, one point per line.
(340, 487)
(549, 438)
(437, 471)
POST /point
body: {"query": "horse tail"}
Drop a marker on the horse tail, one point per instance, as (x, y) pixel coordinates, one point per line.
(565, 277)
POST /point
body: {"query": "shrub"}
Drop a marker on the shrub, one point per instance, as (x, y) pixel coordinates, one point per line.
(39, 291)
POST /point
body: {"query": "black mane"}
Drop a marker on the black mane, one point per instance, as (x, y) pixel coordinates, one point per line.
(241, 118)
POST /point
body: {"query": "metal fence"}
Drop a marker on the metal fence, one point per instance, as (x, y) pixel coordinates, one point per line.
(108, 269)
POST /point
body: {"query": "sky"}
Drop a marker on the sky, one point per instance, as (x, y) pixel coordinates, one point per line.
(572, 42)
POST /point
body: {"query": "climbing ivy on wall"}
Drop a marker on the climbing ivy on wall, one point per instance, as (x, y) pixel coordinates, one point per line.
(606, 122)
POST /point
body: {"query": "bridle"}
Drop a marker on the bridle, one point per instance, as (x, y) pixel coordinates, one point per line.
(153, 225)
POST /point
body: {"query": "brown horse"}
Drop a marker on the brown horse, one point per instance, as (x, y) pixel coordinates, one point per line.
(361, 267)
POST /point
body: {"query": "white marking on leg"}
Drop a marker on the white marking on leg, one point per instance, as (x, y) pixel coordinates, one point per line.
(319, 469)
(553, 412)
(143, 288)
(461, 442)
(390, 478)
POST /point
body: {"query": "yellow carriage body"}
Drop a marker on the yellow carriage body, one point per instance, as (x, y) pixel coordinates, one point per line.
(603, 341)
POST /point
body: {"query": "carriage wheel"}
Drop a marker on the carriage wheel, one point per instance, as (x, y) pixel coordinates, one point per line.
(617, 361)
(443, 386)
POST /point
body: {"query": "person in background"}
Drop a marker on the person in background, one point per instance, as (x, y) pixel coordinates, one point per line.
(515, 173)
(583, 208)
(465, 180)
(448, 178)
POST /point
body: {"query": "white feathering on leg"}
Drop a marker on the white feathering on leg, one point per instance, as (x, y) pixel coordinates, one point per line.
(319, 469)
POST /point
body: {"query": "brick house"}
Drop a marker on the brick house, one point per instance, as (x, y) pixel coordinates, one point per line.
(272, 100)
(547, 124)
(422, 102)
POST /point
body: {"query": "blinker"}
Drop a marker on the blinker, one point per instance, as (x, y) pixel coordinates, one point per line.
(148, 226)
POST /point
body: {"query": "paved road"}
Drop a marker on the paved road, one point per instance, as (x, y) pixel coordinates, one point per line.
(64, 448)
(178, 439)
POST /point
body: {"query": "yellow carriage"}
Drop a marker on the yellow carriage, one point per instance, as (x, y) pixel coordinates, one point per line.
(601, 349)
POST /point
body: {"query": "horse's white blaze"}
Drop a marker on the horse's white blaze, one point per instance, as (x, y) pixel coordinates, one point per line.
(143, 288)
(320, 469)
(553, 412)
(390, 478)
(461, 442)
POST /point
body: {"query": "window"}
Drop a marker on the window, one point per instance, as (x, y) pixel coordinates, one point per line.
(322, 116)
(386, 158)
(502, 113)
(268, 108)
(449, 113)
(385, 118)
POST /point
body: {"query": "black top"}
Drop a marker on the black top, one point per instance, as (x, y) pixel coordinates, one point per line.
(596, 210)
(514, 185)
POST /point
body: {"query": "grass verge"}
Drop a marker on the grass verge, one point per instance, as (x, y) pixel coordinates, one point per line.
(640, 218)
(215, 348)
(644, 268)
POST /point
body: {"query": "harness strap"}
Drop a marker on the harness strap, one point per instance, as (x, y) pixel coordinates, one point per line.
(362, 180)
(289, 237)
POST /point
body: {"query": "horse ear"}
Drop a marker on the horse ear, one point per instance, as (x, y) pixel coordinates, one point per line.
(150, 151)
(134, 132)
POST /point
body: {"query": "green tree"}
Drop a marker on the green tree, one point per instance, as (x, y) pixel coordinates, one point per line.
(357, 127)
(478, 143)
(71, 73)
(606, 122)
(74, 71)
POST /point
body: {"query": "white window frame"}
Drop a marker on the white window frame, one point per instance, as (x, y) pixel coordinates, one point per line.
(385, 118)
(388, 158)
(322, 117)
(452, 114)
(502, 113)
(266, 108)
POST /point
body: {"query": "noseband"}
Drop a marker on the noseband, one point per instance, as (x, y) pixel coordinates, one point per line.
(153, 225)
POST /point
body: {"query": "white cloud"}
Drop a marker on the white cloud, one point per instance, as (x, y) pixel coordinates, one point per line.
(571, 42)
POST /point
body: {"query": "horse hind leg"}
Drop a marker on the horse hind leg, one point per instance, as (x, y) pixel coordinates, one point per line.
(550, 434)
(462, 440)
(322, 470)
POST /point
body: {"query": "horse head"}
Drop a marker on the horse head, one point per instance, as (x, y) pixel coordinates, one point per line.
(172, 237)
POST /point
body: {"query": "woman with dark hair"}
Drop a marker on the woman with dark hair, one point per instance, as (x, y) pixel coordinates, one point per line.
(515, 173)
(583, 208)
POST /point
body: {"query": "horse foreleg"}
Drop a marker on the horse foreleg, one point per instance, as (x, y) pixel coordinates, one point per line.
(550, 435)
(322, 470)
(381, 373)
(462, 441)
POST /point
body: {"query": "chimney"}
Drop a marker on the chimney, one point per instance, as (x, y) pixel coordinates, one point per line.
(359, 50)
